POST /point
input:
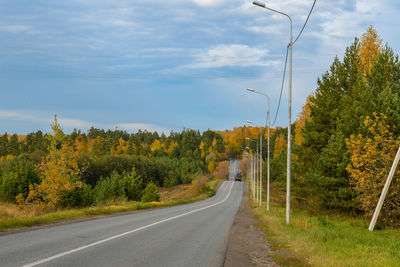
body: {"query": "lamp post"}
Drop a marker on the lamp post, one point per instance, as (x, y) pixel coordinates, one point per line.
(269, 126)
(255, 166)
(261, 4)
(260, 165)
(253, 169)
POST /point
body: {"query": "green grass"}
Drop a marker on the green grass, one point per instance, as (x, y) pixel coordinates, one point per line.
(326, 241)
(70, 214)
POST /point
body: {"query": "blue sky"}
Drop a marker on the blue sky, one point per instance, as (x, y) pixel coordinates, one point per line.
(166, 65)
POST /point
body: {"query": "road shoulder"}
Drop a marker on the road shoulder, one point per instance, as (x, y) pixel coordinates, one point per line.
(246, 243)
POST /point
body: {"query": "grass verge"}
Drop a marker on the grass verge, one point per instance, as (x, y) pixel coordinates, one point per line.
(23, 218)
(326, 241)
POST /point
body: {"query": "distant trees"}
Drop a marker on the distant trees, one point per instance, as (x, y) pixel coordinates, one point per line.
(59, 170)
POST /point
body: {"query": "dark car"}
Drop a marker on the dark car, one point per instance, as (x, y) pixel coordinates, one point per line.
(238, 177)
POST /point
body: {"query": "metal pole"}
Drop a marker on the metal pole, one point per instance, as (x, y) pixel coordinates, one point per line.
(258, 171)
(384, 191)
(269, 124)
(261, 4)
(254, 175)
(289, 147)
(261, 166)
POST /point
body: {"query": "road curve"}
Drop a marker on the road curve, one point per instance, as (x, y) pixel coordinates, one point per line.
(187, 235)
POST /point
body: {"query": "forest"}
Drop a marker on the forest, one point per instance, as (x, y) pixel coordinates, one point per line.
(58, 170)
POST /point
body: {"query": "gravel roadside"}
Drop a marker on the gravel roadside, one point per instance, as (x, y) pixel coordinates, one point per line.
(246, 243)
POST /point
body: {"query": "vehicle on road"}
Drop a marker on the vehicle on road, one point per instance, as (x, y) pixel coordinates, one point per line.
(238, 176)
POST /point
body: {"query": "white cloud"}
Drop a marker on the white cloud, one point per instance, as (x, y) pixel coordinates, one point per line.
(208, 2)
(234, 55)
(18, 29)
(71, 123)
(338, 24)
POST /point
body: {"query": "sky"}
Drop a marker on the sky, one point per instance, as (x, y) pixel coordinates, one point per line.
(168, 65)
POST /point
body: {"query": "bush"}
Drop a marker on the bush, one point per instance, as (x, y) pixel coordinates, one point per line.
(119, 186)
(110, 188)
(200, 185)
(17, 175)
(133, 185)
(150, 193)
(79, 197)
(162, 171)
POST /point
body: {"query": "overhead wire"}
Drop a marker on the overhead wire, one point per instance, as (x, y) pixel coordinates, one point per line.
(287, 52)
(283, 82)
(305, 23)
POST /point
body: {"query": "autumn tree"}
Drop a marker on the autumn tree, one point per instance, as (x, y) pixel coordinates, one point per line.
(59, 172)
(372, 156)
(302, 117)
(370, 47)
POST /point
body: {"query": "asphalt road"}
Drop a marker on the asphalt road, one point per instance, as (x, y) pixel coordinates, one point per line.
(188, 235)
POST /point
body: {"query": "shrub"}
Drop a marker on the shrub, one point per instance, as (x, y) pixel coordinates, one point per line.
(79, 197)
(200, 185)
(110, 188)
(132, 185)
(222, 170)
(150, 193)
(17, 175)
(119, 186)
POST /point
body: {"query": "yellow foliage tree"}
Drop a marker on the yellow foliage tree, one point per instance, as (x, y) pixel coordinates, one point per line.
(370, 47)
(97, 145)
(82, 144)
(122, 147)
(300, 123)
(155, 146)
(171, 148)
(371, 159)
(280, 145)
(211, 166)
(59, 172)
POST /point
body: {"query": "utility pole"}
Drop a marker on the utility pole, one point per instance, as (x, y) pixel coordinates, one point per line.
(289, 147)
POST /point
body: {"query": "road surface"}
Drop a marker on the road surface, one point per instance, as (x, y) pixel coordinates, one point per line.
(188, 235)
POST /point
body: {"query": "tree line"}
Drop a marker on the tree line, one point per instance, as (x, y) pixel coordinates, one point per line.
(56, 170)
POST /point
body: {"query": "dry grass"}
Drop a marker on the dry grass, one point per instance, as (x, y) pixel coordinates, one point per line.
(176, 193)
(12, 215)
(8, 210)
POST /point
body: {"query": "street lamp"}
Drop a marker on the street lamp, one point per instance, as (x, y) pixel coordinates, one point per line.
(254, 167)
(269, 126)
(260, 164)
(261, 4)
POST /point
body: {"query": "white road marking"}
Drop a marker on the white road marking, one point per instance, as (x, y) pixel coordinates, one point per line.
(124, 234)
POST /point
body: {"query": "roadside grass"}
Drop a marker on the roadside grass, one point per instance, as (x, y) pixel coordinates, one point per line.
(334, 240)
(14, 216)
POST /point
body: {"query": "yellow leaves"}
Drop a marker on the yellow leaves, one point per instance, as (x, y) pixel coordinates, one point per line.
(370, 47)
(371, 159)
(156, 145)
(121, 149)
(280, 145)
(59, 172)
(300, 123)
(82, 144)
(171, 148)
(211, 166)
